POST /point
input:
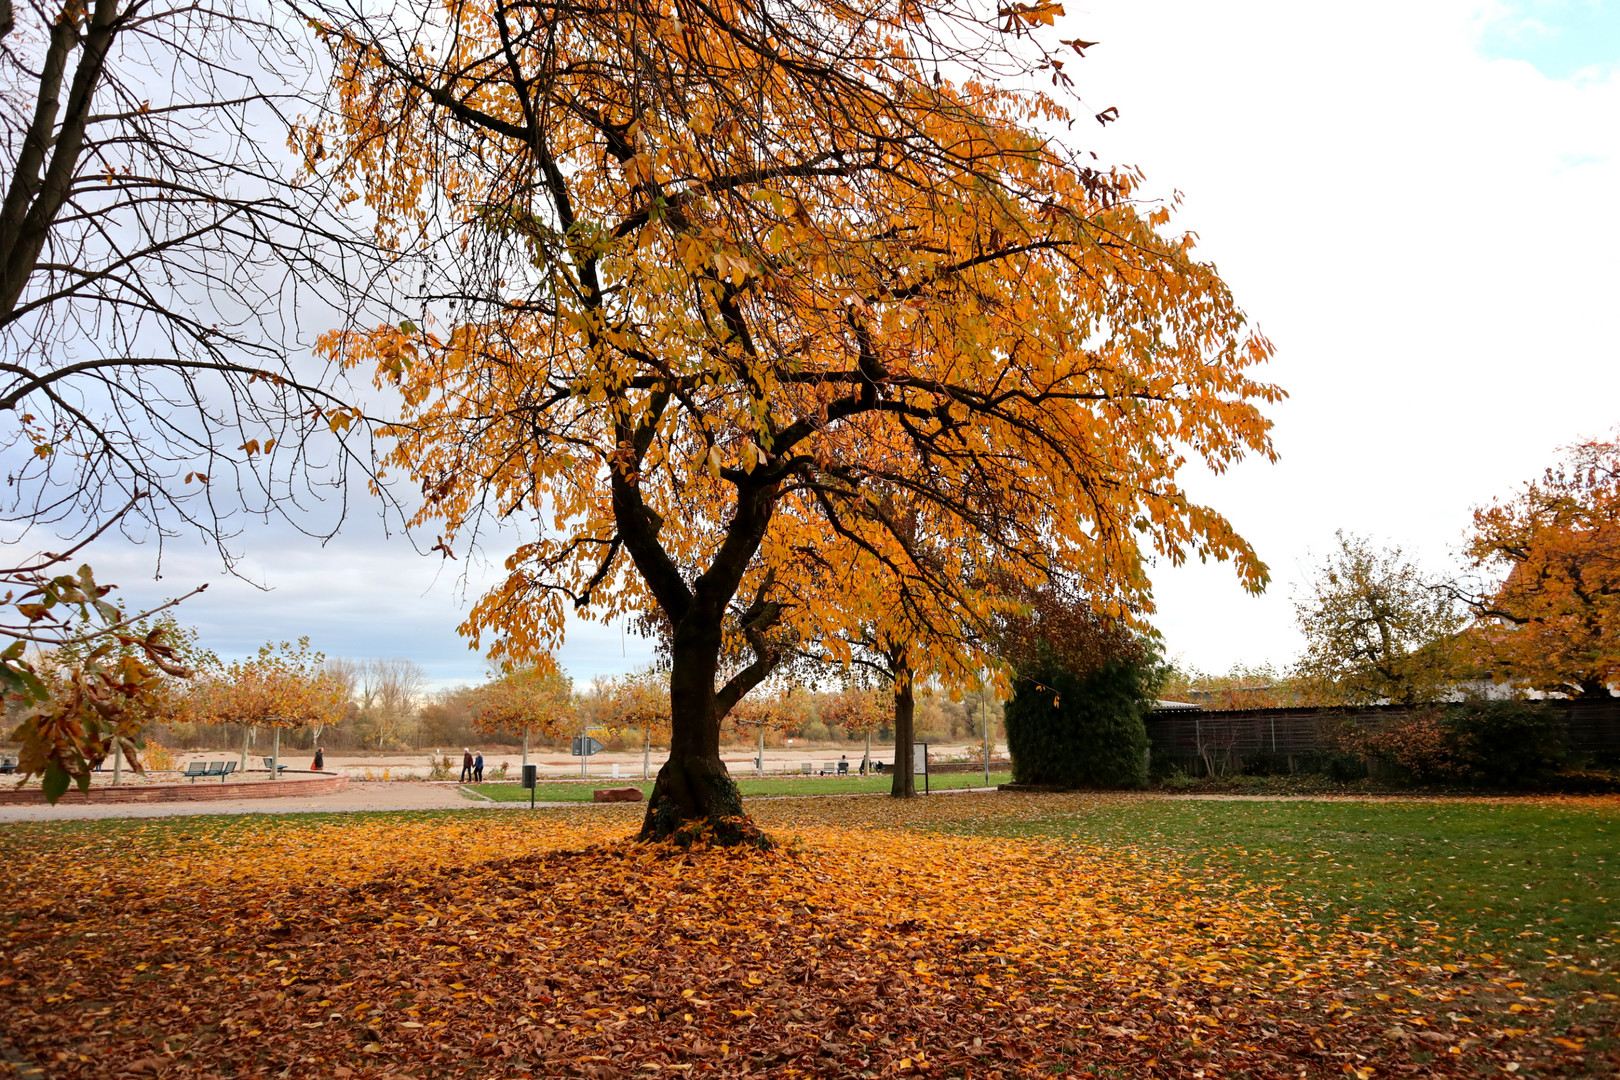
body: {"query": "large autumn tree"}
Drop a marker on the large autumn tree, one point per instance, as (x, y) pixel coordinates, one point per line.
(1551, 616)
(705, 284)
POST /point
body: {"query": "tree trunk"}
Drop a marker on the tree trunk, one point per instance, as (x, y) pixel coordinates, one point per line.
(904, 785)
(694, 791)
(275, 757)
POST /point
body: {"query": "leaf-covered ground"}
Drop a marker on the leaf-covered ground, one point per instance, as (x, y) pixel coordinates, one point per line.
(876, 944)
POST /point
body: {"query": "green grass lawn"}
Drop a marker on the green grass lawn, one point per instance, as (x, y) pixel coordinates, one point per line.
(1528, 877)
(557, 791)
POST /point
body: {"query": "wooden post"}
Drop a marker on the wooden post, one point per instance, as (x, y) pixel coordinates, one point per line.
(759, 762)
(526, 747)
(646, 750)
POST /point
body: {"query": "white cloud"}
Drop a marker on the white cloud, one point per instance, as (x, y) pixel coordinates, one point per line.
(1427, 235)
(362, 595)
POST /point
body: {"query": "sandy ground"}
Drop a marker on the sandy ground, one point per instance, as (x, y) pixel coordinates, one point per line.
(779, 760)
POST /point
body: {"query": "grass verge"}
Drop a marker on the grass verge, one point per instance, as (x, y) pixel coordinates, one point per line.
(1536, 877)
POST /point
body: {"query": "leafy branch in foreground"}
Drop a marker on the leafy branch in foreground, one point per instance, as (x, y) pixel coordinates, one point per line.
(82, 675)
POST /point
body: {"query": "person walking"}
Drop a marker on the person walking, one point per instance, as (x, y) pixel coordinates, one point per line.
(466, 764)
(319, 762)
(478, 768)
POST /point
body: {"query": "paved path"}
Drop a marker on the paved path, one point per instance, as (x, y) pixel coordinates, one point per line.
(354, 797)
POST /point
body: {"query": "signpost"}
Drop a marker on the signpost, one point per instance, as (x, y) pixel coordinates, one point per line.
(530, 776)
(919, 763)
(584, 746)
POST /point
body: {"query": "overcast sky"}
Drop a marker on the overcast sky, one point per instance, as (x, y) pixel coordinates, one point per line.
(1419, 203)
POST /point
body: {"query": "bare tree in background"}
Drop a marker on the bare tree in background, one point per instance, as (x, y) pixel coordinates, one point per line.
(346, 673)
(154, 255)
(388, 693)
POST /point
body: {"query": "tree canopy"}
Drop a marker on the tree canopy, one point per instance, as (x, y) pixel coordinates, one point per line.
(1376, 627)
(284, 685)
(538, 701)
(1552, 620)
(712, 289)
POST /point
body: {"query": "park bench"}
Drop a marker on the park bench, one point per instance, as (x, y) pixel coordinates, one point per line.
(270, 762)
(808, 768)
(8, 765)
(196, 769)
(221, 769)
(843, 768)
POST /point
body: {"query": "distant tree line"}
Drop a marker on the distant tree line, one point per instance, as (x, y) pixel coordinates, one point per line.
(385, 706)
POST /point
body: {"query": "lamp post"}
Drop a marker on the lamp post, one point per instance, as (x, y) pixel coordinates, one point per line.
(984, 718)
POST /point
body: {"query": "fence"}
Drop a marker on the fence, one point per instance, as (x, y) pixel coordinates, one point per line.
(1204, 742)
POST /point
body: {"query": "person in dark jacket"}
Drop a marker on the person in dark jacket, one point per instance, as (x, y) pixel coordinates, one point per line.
(320, 761)
(466, 765)
(478, 768)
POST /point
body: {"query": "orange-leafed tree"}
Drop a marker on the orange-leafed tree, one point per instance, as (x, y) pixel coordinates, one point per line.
(782, 708)
(1244, 686)
(706, 283)
(638, 700)
(919, 596)
(860, 711)
(283, 686)
(1552, 620)
(534, 700)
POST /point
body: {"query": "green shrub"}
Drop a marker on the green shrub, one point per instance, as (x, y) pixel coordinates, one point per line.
(1266, 763)
(1177, 780)
(1587, 782)
(1335, 764)
(1506, 744)
(1080, 731)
